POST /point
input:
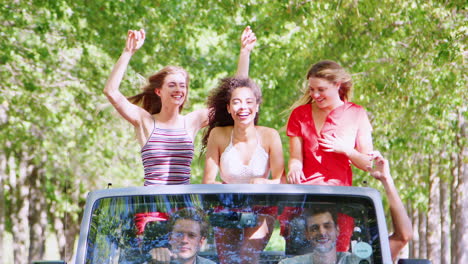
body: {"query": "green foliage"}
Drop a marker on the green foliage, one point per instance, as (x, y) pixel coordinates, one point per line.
(406, 58)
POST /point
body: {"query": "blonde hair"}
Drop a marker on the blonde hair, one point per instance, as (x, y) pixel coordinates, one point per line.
(332, 72)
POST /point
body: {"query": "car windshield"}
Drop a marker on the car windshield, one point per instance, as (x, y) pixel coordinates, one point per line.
(125, 228)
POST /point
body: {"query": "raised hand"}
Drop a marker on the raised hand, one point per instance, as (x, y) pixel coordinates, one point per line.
(248, 39)
(380, 169)
(402, 228)
(135, 39)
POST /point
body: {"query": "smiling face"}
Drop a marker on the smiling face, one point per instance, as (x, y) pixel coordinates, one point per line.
(186, 240)
(322, 232)
(174, 89)
(324, 93)
(243, 106)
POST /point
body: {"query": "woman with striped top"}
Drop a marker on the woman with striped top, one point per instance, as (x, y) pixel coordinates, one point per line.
(165, 136)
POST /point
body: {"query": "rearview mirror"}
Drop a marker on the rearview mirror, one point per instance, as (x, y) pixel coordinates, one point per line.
(233, 219)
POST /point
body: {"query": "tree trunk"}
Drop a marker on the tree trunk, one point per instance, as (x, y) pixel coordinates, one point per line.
(66, 227)
(3, 176)
(37, 215)
(72, 232)
(59, 228)
(422, 234)
(414, 243)
(66, 231)
(3, 182)
(459, 201)
(445, 222)
(433, 234)
(20, 207)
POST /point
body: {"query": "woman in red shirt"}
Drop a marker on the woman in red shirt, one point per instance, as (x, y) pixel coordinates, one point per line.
(327, 132)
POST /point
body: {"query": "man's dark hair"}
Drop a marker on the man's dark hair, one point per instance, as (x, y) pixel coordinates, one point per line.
(194, 214)
(321, 210)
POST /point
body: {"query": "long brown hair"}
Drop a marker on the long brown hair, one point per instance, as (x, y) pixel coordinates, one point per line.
(148, 99)
(332, 72)
(220, 97)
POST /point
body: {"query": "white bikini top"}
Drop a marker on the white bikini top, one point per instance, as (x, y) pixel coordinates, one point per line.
(234, 171)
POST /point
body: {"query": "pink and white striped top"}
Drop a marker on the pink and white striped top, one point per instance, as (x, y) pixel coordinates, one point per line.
(167, 156)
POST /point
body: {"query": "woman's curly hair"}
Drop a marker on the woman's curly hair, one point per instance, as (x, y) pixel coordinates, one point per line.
(220, 97)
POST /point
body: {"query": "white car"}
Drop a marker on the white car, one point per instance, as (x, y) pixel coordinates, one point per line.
(122, 225)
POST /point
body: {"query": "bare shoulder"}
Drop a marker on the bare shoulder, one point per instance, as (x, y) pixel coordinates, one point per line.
(267, 132)
(196, 120)
(144, 127)
(197, 113)
(220, 137)
(198, 117)
(221, 132)
(146, 118)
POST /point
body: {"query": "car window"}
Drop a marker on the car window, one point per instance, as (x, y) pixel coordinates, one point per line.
(124, 229)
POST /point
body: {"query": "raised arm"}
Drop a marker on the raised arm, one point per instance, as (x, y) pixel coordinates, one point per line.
(129, 111)
(212, 158)
(248, 40)
(402, 228)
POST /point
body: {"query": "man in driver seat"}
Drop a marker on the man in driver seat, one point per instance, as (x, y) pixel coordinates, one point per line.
(189, 229)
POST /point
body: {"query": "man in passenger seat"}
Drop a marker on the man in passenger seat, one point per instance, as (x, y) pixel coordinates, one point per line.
(322, 232)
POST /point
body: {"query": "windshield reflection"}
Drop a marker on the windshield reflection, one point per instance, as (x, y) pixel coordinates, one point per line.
(140, 229)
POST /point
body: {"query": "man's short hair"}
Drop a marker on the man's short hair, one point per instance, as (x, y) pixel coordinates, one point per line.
(309, 212)
(191, 213)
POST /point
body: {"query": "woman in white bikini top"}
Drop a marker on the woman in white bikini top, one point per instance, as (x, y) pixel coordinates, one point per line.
(243, 153)
(233, 170)
(235, 145)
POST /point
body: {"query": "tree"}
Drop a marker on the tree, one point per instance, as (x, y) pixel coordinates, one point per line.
(60, 140)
